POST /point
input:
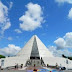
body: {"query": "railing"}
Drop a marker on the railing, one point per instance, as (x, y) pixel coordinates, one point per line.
(13, 67)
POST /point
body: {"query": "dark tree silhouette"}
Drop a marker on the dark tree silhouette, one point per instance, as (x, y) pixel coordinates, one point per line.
(66, 57)
(1, 56)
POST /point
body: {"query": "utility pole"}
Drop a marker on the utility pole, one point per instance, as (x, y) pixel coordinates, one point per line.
(67, 63)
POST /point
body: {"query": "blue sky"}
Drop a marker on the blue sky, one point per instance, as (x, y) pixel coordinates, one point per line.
(50, 20)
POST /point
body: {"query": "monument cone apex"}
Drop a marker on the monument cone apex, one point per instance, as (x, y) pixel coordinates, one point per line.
(35, 48)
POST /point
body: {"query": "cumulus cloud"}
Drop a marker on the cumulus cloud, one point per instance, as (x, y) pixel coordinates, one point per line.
(65, 41)
(64, 1)
(70, 14)
(52, 49)
(63, 45)
(18, 30)
(68, 39)
(60, 42)
(10, 38)
(4, 20)
(10, 50)
(57, 53)
(32, 18)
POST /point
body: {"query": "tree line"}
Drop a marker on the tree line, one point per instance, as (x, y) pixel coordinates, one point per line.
(66, 57)
(2, 56)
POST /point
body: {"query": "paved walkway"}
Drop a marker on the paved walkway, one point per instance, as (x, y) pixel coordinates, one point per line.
(31, 71)
(32, 68)
(47, 68)
(22, 68)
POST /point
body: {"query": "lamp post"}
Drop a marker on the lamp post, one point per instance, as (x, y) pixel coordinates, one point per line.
(67, 62)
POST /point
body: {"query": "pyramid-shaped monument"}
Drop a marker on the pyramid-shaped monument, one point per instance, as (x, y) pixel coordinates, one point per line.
(35, 49)
(34, 53)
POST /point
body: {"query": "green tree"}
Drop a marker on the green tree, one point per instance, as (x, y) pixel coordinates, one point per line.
(1, 56)
(66, 57)
(70, 58)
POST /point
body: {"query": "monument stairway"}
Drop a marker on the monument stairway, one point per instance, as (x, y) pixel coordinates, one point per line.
(35, 62)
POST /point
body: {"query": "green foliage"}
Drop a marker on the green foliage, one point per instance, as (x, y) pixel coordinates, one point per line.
(66, 57)
(70, 58)
(1, 56)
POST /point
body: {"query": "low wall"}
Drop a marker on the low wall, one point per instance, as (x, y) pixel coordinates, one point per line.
(13, 71)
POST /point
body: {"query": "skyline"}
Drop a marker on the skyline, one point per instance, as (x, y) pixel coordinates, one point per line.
(50, 20)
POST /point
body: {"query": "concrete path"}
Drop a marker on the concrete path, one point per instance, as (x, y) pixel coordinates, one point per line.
(22, 68)
(40, 70)
(32, 68)
(13, 71)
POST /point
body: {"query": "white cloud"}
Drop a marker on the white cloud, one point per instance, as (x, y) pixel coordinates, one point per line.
(11, 4)
(63, 45)
(60, 42)
(10, 38)
(4, 20)
(52, 49)
(68, 39)
(58, 53)
(65, 41)
(18, 30)
(10, 50)
(32, 18)
(64, 1)
(70, 14)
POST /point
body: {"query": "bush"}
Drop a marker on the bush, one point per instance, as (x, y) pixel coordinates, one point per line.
(66, 57)
(1, 56)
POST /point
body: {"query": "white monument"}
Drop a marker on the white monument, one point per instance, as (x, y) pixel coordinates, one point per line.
(35, 52)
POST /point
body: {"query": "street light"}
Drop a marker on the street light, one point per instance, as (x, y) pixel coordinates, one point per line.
(67, 62)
